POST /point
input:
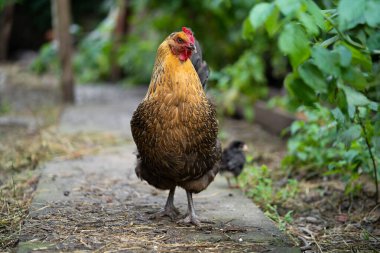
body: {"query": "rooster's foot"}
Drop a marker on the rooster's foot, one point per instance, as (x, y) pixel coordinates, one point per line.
(194, 219)
(171, 212)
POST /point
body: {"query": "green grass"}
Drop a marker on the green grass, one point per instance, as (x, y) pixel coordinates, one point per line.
(259, 183)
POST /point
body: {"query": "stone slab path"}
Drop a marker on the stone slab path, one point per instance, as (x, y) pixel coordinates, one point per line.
(97, 204)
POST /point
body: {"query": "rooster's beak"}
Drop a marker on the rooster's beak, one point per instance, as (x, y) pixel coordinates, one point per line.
(192, 47)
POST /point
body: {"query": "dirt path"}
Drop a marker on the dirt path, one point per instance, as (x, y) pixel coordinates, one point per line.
(96, 203)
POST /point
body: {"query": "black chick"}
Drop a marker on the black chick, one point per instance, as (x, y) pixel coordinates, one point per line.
(233, 160)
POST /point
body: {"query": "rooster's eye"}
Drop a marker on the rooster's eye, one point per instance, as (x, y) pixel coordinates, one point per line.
(179, 40)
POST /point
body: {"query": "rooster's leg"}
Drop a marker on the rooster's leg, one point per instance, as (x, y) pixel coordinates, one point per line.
(191, 217)
(170, 210)
(236, 183)
(229, 182)
(169, 206)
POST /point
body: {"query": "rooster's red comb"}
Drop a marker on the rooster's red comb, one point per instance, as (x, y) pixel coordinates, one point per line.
(189, 33)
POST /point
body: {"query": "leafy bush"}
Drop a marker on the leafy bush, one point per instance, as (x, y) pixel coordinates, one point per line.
(333, 55)
(240, 84)
(47, 59)
(149, 24)
(92, 60)
(214, 23)
(318, 146)
(236, 80)
(137, 59)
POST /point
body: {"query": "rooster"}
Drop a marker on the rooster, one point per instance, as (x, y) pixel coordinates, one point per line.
(175, 127)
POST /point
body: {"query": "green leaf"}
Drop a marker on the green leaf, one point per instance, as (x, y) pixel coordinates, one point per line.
(345, 55)
(293, 42)
(313, 77)
(362, 113)
(249, 113)
(296, 126)
(288, 7)
(351, 13)
(354, 78)
(309, 23)
(354, 97)
(298, 89)
(350, 134)
(376, 144)
(373, 41)
(360, 58)
(327, 61)
(351, 109)
(272, 25)
(371, 13)
(260, 13)
(247, 31)
(316, 13)
(341, 100)
(376, 126)
(338, 115)
(374, 106)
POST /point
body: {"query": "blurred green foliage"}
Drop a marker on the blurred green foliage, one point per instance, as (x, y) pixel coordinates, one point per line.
(4, 106)
(245, 76)
(240, 84)
(4, 3)
(47, 59)
(334, 56)
(216, 24)
(92, 62)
